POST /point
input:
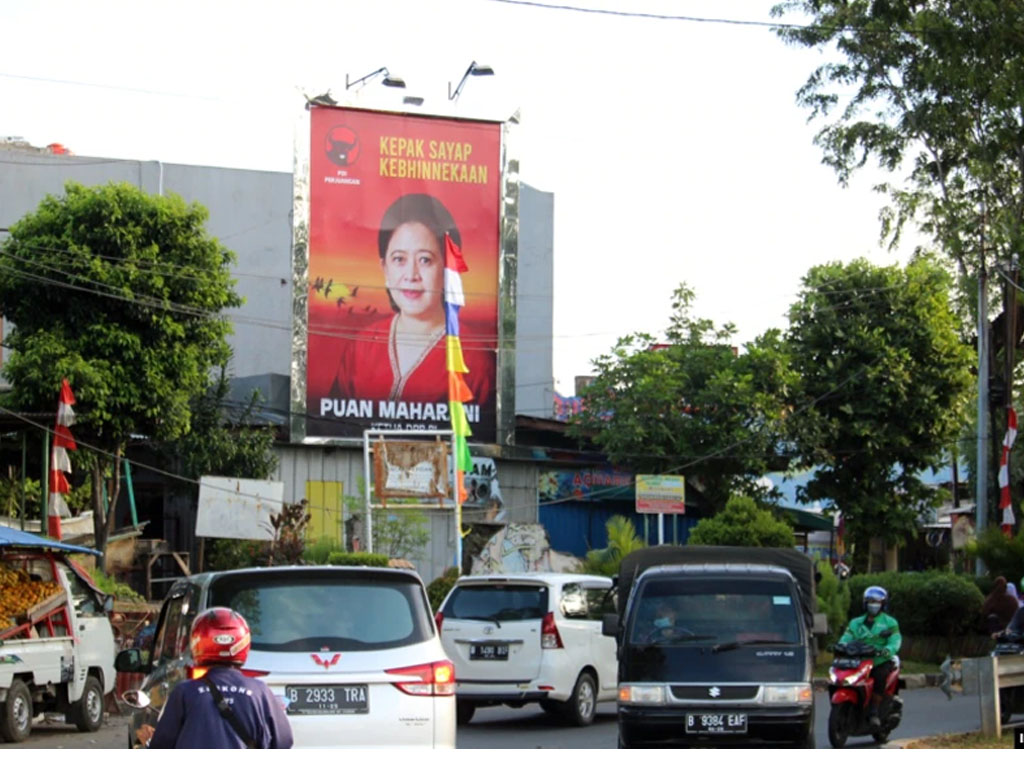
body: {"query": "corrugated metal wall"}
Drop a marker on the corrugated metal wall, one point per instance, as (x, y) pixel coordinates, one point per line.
(578, 526)
(299, 464)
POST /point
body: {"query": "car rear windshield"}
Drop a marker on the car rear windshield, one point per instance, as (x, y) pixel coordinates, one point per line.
(319, 611)
(716, 611)
(497, 602)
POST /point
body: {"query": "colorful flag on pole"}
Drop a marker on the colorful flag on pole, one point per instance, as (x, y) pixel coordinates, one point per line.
(1005, 502)
(59, 460)
(458, 390)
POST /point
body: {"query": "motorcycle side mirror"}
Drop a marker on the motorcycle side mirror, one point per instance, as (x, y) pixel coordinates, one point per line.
(135, 699)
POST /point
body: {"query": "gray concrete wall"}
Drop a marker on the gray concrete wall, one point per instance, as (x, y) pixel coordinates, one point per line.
(535, 303)
(250, 213)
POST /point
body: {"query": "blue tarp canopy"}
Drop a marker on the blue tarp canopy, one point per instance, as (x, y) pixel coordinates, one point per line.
(12, 537)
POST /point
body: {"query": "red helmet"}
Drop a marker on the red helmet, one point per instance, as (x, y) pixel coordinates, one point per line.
(220, 636)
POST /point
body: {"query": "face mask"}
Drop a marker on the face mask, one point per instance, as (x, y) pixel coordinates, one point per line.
(663, 622)
(874, 608)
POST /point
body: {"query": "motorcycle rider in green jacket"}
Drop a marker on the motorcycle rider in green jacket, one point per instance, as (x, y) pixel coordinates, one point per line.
(876, 628)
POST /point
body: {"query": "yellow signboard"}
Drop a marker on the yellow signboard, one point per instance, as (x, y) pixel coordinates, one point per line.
(661, 494)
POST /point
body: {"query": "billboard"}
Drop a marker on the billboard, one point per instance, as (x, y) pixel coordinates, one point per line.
(384, 192)
(661, 494)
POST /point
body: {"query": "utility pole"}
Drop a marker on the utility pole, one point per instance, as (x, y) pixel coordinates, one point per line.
(981, 481)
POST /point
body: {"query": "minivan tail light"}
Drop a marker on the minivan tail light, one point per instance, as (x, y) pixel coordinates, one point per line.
(435, 679)
(549, 637)
(255, 672)
(438, 618)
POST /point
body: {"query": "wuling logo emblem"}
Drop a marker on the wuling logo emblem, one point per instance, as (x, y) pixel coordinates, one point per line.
(326, 663)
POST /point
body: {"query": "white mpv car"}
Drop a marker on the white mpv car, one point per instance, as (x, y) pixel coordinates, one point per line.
(350, 652)
(530, 637)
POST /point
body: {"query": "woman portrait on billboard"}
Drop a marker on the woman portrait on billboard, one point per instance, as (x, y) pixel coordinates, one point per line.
(403, 356)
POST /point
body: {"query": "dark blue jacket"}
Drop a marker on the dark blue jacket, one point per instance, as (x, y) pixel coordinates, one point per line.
(191, 720)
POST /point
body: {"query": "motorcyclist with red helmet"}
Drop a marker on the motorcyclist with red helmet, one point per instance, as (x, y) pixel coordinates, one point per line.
(876, 628)
(223, 709)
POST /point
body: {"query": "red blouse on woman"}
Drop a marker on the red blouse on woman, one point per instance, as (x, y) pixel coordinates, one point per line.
(368, 368)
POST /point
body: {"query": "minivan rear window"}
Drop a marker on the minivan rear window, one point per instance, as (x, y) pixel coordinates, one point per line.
(497, 602)
(325, 611)
(719, 611)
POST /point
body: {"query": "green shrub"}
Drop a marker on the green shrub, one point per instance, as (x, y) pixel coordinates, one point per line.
(112, 586)
(833, 601)
(228, 554)
(924, 603)
(317, 552)
(358, 558)
(742, 524)
(1002, 556)
(622, 539)
(439, 588)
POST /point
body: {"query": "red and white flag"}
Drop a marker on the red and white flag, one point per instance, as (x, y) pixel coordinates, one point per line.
(1005, 502)
(60, 462)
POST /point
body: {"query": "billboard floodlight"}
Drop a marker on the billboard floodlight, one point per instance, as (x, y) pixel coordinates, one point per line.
(473, 69)
(388, 81)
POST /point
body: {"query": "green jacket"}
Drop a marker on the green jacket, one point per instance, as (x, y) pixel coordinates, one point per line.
(887, 646)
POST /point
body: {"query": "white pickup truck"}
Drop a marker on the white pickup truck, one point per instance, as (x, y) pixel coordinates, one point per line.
(56, 655)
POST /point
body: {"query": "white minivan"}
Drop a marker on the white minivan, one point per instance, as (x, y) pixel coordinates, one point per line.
(530, 637)
(350, 652)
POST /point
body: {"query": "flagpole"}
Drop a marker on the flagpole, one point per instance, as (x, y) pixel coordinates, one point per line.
(457, 497)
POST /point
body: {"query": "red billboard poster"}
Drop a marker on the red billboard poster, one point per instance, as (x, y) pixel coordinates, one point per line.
(384, 191)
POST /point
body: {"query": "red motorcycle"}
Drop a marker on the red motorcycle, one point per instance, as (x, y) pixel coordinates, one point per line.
(850, 688)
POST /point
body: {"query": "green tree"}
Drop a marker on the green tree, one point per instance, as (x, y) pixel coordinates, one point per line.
(1003, 556)
(884, 382)
(931, 88)
(225, 438)
(833, 601)
(622, 539)
(693, 405)
(132, 287)
(742, 524)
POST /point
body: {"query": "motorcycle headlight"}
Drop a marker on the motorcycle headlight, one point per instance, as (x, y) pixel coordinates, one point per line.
(642, 694)
(856, 677)
(832, 676)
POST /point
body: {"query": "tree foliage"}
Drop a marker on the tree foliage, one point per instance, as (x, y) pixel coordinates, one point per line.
(225, 439)
(932, 88)
(693, 405)
(742, 524)
(622, 539)
(120, 292)
(884, 382)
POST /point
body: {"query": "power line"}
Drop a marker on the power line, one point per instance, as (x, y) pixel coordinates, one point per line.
(655, 16)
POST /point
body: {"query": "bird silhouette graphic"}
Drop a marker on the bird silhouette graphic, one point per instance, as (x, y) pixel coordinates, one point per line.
(341, 300)
(355, 289)
(327, 288)
(318, 284)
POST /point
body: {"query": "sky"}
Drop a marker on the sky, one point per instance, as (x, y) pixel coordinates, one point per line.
(674, 147)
